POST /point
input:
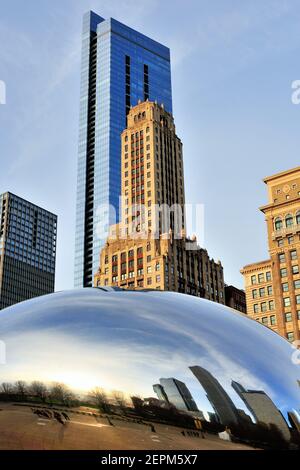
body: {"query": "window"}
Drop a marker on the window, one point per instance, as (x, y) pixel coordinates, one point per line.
(268, 276)
(254, 293)
(293, 254)
(297, 299)
(255, 308)
(295, 269)
(157, 267)
(158, 278)
(148, 258)
(298, 314)
(281, 258)
(263, 306)
(290, 239)
(287, 301)
(149, 281)
(278, 223)
(289, 221)
(288, 317)
(283, 272)
(264, 320)
(261, 278)
(253, 280)
(285, 287)
(297, 284)
(261, 292)
(270, 290)
(290, 336)
(280, 242)
(149, 269)
(273, 320)
(298, 218)
(271, 304)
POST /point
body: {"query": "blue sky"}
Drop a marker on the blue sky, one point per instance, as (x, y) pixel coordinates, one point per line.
(232, 67)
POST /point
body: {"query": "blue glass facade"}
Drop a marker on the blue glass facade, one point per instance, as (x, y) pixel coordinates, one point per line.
(119, 67)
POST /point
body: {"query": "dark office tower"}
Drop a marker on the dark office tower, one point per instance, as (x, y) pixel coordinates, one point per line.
(176, 392)
(263, 409)
(119, 67)
(218, 397)
(27, 250)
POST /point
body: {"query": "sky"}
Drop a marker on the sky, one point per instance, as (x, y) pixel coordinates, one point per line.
(233, 64)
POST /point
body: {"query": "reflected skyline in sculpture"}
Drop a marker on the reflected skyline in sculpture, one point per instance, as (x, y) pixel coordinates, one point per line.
(153, 356)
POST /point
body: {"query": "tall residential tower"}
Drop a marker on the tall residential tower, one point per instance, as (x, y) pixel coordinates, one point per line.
(119, 67)
(27, 250)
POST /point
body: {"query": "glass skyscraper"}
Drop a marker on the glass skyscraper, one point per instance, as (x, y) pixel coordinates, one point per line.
(119, 67)
(27, 250)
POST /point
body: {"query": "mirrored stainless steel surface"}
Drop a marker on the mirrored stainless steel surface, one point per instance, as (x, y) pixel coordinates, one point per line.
(149, 369)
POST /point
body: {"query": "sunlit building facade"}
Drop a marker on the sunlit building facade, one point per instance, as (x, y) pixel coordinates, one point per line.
(273, 286)
(149, 247)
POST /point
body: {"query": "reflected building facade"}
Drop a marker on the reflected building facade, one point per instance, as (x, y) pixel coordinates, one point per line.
(156, 334)
(263, 408)
(217, 396)
(27, 250)
(176, 392)
(119, 66)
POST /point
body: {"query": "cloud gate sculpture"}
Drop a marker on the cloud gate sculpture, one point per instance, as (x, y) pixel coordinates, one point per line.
(111, 369)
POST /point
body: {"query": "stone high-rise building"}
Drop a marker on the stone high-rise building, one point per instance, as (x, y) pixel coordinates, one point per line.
(273, 286)
(149, 248)
(27, 250)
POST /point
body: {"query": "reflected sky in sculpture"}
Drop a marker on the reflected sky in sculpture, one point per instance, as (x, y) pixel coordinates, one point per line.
(122, 340)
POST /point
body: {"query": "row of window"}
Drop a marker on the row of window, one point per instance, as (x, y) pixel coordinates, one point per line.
(288, 221)
(284, 271)
(130, 254)
(130, 275)
(290, 240)
(265, 320)
(264, 306)
(282, 257)
(261, 277)
(285, 285)
(287, 300)
(289, 318)
(261, 292)
(131, 266)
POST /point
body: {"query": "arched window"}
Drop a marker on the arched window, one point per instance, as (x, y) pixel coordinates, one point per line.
(278, 223)
(298, 218)
(289, 221)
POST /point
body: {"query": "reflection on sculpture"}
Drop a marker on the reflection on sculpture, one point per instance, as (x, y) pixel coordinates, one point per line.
(144, 363)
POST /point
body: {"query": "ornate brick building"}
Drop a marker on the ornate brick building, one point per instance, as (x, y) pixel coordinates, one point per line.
(273, 286)
(149, 248)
